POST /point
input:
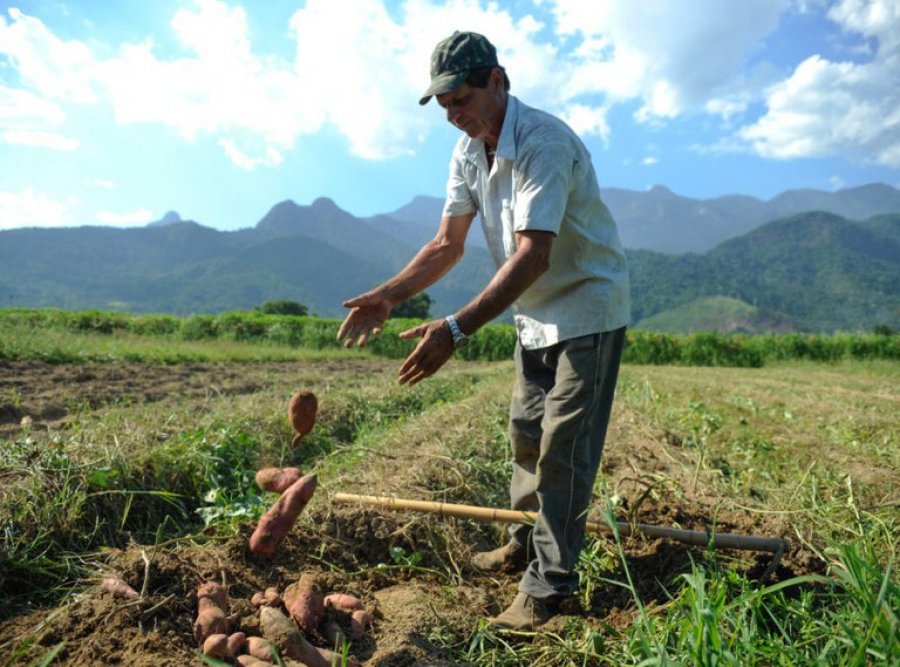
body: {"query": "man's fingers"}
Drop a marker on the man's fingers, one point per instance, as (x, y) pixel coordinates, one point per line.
(415, 332)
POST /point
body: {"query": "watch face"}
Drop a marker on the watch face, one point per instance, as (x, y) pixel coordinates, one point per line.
(462, 341)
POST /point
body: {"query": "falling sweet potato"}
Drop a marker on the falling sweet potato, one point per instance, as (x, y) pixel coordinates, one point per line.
(278, 520)
(360, 620)
(212, 610)
(343, 601)
(119, 588)
(277, 480)
(302, 414)
(216, 646)
(281, 631)
(305, 603)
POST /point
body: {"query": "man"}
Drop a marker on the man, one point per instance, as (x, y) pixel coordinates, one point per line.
(562, 269)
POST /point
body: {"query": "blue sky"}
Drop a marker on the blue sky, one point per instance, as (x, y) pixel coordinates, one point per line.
(115, 112)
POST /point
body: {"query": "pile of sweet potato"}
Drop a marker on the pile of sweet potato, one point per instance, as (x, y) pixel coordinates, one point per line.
(286, 624)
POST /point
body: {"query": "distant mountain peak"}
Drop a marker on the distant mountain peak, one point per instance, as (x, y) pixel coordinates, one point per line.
(324, 204)
(170, 218)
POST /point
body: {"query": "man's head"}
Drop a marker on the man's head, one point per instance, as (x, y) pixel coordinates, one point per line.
(464, 57)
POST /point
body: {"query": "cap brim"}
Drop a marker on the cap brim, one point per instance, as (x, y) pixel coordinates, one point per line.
(444, 83)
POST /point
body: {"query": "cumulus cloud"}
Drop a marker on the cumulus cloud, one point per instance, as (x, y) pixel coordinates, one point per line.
(40, 139)
(839, 108)
(128, 219)
(31, 208)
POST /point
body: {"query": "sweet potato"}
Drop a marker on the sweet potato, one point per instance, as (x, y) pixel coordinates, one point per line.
(277, 480)
(278, 520)
(216, 646)
(236, 643)
(343, 601)
(260, 648)
(250, 661)
(281, 631)
(302, 414)
(119, 588)
(269, 598)
(304, 602)
(210, 621)
(212, 594)
(212, 610)
(360, 620)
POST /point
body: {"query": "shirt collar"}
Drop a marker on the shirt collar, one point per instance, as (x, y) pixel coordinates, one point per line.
(506, 145)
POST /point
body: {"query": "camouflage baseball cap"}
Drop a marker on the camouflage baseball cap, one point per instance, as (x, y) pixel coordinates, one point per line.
(454, 57)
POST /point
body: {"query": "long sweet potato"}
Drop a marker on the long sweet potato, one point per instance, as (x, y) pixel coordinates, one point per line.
(260, 648)
(277, 480)
(281, 631)
(305, 603)
(360, 620)
(279, 519)
(302, 414)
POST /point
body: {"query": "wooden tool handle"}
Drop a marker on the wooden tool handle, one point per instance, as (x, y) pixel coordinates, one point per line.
(698, 537)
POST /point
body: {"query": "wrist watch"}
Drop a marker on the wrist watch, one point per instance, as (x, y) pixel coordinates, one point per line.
(459, 338)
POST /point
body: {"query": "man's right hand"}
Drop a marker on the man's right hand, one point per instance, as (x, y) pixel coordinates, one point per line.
(368, 313)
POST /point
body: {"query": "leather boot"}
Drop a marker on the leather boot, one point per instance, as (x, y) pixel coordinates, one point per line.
(525, 613)
(508, 558)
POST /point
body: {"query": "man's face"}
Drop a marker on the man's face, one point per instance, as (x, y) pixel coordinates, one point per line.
(476, 111)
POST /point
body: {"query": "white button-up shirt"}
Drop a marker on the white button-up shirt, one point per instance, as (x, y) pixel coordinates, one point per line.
(542, 179)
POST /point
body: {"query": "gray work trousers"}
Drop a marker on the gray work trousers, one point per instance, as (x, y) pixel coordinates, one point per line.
(559, 413)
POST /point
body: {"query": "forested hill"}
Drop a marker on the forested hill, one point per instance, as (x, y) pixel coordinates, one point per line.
(810, 272)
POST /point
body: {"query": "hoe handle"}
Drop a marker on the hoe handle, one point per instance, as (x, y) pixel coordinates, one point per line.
(703, 538)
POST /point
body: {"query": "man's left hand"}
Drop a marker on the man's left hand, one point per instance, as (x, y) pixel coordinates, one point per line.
(432, 352)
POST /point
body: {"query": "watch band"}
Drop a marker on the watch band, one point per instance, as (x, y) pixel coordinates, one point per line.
(459, 338)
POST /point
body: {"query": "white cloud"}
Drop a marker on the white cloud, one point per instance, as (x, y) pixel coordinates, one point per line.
(41, 139)
(129, 219)
(839, 108)
(672, 56)
(30, 208)
(649, 161)
(270, 157)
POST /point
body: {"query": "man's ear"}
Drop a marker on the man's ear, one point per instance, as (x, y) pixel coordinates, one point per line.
(496, 80)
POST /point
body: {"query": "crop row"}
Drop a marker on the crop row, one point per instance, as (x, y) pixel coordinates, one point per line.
(492, 343)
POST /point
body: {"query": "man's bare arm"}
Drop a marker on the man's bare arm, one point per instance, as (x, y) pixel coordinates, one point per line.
(528, 263)
(370, 310)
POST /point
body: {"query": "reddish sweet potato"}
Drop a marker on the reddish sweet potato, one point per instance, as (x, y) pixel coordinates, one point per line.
(236, 643)
(277, 480)
(343, 601)
(216, 646)
(276, 522)
(250, 661)
(211, 594)
(360, 620)
(304, 602)
(260, 648)
(119, 588)
(212, 609)
(269, 598)
(302, 414)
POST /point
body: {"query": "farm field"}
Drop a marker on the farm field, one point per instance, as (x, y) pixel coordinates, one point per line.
(145, 470)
